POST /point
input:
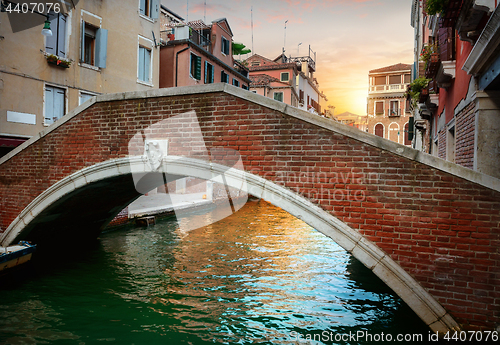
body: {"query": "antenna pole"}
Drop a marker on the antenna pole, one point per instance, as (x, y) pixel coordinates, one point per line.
(284, 40)
(187, 11)
(205, 12)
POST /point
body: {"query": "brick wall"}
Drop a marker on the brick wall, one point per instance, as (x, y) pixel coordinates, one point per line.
(442, 144)
(443, 230)
(464, 134)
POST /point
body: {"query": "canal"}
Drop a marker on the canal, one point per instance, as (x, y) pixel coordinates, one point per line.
(259, 276)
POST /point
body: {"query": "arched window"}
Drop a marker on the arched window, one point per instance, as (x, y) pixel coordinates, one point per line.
(379, 130)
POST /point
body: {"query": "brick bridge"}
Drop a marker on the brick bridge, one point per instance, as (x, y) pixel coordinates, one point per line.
(428, 228)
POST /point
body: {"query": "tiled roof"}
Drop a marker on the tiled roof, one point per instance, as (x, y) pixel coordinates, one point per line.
(263, 80)
(198, 24)
(273, 66)
(392, 68)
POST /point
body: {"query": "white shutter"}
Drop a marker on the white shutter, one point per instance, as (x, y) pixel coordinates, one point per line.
(58, 103)
(101, 50)
(147, 65)
(140, 64)
(51, 41)
(61, 36)
(49, 105)
(155, 9)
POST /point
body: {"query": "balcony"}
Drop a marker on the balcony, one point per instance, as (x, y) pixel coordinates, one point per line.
(432, 65)
(394, 112)
(308, 59)
(200, 37)
(469, 22)
(392, 88)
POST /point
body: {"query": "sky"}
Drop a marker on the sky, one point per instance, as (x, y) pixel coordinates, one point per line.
(350, 37)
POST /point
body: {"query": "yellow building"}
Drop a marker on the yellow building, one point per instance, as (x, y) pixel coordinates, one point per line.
(95, 47)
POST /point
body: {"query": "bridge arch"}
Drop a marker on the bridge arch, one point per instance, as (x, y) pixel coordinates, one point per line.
(121, 169)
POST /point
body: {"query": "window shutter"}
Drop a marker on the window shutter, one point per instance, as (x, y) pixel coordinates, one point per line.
(410, 128)
(82, 42)
(198, 68)
(58, 103)
(206, 72)
(61, 36)
(212, 75)
(140, 65)
(446, 43)
(49, 105)
(101, 47)
(142, 7)
(147, 65)
(155, 9)
(51, 41)
(379, 107)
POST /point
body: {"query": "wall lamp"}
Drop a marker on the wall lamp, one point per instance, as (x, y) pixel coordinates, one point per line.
(46, 27)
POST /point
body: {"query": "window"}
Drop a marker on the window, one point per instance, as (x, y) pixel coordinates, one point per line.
(407, 78)
(380, 80)
(236, 82)
(209, 73)
(195, 67)
(379, 108)
(149, 8)
(407, 135)
(224, 77)
(379, 130)
(301, 96)
(225, 46)
(144, 65)
(94, 45)
(394, 108)
(244, 87)
(278, 96)
(84, 97)
(285, 76)
(395, 79)
(255, 63)
(54, 104)
(56, 44)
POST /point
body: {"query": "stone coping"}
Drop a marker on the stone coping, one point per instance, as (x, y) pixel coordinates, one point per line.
(351, 132)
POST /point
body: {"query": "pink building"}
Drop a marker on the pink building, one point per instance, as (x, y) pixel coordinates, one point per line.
(196, 53)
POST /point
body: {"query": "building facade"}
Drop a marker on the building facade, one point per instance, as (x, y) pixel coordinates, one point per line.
(287, 79)
(92, 50)
(458, 114)
(195, 53)
(388, 111)
(353, 120)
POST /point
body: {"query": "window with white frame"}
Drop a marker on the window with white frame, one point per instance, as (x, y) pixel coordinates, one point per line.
(149, 8)
(56, 44)
(278, 96)
(54, 104)
(84, 97)
(394, 108)
(144, 65)
(285, 76)
(93, 42)
(225, 46)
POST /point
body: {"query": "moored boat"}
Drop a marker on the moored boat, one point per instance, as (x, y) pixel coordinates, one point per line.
(15, 255)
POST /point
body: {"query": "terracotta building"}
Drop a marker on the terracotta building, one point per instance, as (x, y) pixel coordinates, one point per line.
(458, 114)
(196, 53)
(91, 50)
(287, 79)
(388, 110)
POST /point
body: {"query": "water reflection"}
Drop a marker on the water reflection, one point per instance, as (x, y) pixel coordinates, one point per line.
(253, 277)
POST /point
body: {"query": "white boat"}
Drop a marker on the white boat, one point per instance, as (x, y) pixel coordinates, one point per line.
(15, 255)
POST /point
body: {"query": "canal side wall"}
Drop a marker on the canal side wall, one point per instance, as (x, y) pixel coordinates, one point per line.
(437, 220)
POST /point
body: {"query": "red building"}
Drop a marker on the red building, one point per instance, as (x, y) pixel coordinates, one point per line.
(196, 53)
(458, 113)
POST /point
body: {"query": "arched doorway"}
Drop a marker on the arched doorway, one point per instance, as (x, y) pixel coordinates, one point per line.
(379, 130)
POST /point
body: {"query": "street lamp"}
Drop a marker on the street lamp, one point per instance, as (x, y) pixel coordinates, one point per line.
(46, 26)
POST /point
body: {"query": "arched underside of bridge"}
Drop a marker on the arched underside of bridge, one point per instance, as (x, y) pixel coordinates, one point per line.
(63, 211)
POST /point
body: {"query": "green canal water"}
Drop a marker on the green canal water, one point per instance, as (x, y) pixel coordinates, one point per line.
(259, 276)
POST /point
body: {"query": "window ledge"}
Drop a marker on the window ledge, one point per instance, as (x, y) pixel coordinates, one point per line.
(149, 19)
(95, 68)
(145, 83)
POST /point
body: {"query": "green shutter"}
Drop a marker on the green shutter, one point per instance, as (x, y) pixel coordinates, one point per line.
(197, 72)
(410, 128)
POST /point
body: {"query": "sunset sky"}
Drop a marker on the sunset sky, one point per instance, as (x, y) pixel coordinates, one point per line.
(350, 37)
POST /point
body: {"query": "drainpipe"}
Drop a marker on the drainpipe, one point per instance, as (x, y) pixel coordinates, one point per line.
(176, 62)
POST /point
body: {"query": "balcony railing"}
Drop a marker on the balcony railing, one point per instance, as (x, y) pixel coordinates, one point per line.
(184, 33)
(394, 112)
(388, 88)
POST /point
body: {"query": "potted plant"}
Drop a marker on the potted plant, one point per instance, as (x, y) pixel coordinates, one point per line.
(416, 88)
(429, 53)
(57, 60)
(435, 6)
